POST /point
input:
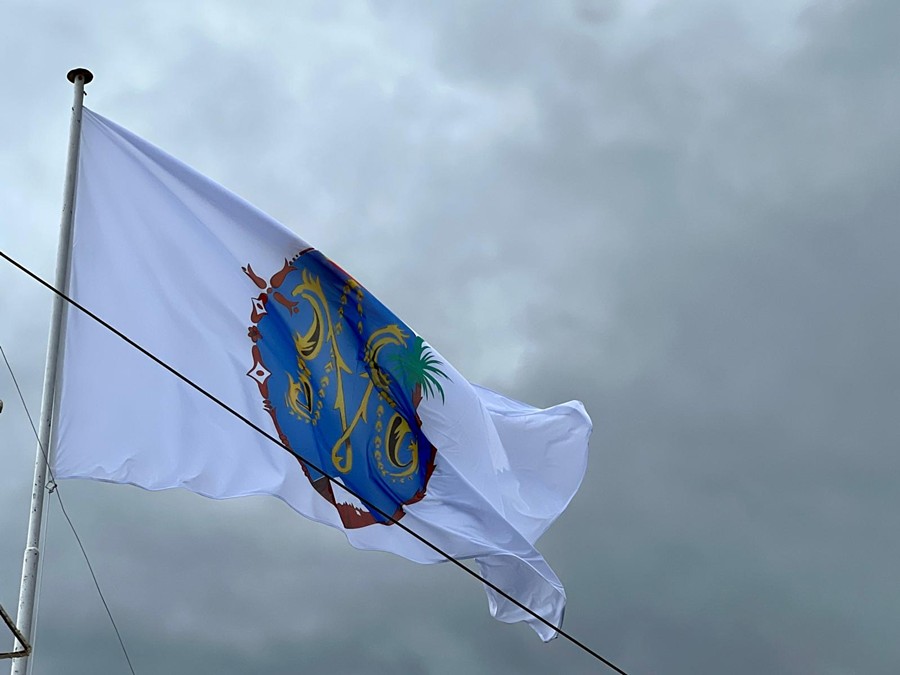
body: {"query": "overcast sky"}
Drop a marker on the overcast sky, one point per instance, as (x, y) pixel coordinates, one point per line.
(682, 213)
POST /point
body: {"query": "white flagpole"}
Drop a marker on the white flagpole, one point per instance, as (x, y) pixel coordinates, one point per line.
(30, 566)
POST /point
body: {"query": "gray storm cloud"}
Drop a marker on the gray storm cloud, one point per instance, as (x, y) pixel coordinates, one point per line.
(682, 214)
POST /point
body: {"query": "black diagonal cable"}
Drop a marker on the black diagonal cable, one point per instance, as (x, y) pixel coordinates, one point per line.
(55, 489)
(278, 442)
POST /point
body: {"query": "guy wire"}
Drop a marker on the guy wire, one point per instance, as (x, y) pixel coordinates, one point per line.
(278, 442)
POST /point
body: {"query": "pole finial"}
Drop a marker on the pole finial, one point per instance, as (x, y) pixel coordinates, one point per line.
(84, 72)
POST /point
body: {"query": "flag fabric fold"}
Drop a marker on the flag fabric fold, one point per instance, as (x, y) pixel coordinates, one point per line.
(256, 316)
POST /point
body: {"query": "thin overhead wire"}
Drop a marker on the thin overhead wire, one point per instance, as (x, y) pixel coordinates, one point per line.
(54, 489)
(279, 443)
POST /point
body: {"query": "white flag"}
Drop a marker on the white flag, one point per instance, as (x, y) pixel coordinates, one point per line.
(254, 315)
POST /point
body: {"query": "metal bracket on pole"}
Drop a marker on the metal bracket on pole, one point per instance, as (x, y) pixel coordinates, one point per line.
(26, 648)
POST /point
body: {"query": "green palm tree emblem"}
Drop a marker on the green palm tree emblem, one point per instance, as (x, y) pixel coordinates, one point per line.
(417, 369)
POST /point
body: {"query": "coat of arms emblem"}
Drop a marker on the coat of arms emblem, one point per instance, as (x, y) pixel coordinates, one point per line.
(341, 377)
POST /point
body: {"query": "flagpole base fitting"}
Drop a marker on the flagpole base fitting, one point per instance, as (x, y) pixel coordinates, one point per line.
(84, 72)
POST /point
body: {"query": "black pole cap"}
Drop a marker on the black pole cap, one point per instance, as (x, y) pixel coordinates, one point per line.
(84, 72)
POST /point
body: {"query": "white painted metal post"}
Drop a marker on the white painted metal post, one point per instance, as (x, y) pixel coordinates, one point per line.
(30, 567)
